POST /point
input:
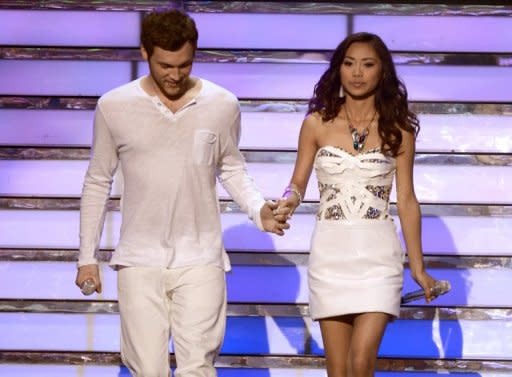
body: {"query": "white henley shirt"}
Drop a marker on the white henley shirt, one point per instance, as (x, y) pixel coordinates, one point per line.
(170, 162)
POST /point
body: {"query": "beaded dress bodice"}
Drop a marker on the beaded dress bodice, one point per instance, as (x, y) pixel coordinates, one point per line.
(353, 187)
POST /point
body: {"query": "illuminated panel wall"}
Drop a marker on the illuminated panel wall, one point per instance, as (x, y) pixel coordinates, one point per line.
(458, 73)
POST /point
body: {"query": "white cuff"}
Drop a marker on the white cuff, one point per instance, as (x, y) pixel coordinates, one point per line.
(85, 261)
(256, 215)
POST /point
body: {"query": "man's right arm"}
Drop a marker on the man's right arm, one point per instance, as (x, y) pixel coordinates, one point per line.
(95, 195)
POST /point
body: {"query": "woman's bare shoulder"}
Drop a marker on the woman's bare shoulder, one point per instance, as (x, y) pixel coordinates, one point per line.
(313, 120)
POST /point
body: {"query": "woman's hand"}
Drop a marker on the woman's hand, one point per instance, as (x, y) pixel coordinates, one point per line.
(286, 206)
(426, 282)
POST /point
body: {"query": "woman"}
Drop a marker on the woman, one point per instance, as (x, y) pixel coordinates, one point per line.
(358, 133)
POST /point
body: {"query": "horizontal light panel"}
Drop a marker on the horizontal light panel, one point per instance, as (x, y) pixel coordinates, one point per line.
(69, 28)
(251, 284)
(295, 31)
(260, 335)
(279, 81)
(441, 235)
(27, 175)
(44, 370)
(457, 83)
(270, 31)
(260, 80)
(465, 133)
(46, 127)
(88, 370)
(122, 29)
(439, 33)
(433, 183)
(296, 81)
(49, 370)
(263, 130)
(80, 78)
(439, 132)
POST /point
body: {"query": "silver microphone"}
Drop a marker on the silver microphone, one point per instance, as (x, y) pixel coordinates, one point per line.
(440, 288)
(88, 287)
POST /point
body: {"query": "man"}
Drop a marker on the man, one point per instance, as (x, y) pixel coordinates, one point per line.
(173, 134)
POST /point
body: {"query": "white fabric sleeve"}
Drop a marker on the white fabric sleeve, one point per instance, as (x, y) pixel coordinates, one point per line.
(96, 189)
(232, 174)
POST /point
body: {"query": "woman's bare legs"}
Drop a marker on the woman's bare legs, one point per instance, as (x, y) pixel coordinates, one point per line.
(364, 345)
(336, 335)
(351, 343)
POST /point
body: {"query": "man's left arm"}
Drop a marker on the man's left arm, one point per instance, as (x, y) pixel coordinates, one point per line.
(233, 175)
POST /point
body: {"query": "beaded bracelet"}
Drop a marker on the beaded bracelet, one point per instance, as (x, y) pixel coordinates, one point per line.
(291, 189)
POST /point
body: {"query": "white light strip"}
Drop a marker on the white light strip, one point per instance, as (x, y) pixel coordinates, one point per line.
(463, 339)
(433, 183)
(447, 235)
(69, 28)
(439, 33)
(264, 130)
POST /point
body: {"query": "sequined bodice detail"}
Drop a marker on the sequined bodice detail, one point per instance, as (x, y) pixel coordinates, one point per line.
(353, 187)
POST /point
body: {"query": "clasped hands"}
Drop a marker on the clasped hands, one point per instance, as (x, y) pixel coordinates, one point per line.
(275, 215)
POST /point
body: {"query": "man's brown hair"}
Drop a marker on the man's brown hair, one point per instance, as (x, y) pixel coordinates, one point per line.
(169, 30)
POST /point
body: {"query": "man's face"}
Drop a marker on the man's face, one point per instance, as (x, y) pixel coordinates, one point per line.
(170, 70)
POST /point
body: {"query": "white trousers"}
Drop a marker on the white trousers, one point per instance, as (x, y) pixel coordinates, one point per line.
(189, 303)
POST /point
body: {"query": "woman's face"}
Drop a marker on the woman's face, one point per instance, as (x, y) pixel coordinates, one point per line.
(360, 70)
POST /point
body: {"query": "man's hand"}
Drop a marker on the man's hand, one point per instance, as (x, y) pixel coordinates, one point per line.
(89, 271)
(286, 207)
(274, 220)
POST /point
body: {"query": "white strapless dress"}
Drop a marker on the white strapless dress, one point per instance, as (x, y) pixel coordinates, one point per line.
(356, 258)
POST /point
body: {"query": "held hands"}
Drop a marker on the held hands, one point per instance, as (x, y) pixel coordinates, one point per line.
(90, 271)
(274, 216)
(288, 203)
(273, 220)
(286, 207)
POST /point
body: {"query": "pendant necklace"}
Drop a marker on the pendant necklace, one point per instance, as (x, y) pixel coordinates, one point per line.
(359, 139)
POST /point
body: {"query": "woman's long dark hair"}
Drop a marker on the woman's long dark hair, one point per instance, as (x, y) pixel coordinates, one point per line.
(390, 94)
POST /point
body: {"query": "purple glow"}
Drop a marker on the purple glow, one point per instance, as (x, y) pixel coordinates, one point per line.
(440, 33)
(69, 28)
(45, 127)
(55, 370)
(434, 183)
(472, 287)
(439, 132)
(482, 133)
(281, 81)
(457, 83)
(25, 176)
(59, 332)
(296, 81)
(270, 31)
(448, 235)
(259, 80)
(73, 78)
(100, 332)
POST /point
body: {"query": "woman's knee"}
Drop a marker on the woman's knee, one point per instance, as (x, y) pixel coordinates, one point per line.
(362, 365)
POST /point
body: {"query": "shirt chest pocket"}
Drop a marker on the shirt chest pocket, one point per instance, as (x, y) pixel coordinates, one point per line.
(204, 147)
